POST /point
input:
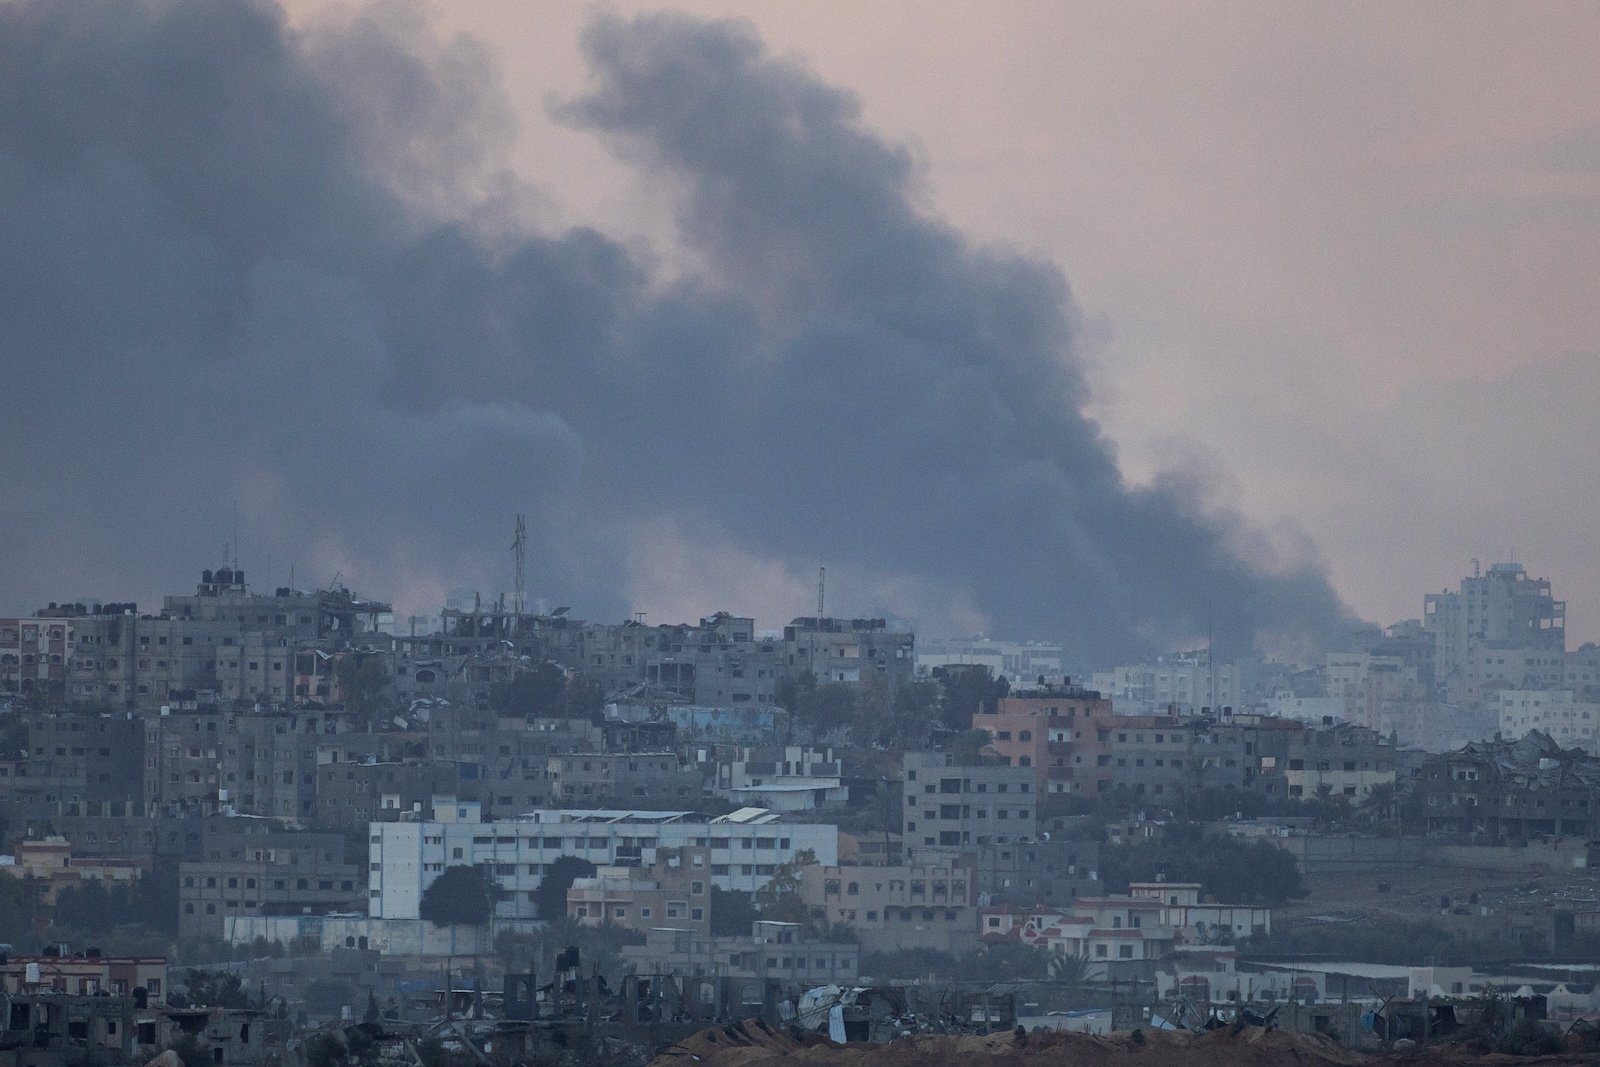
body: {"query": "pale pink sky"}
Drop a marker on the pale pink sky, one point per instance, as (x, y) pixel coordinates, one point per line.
(1345, 256)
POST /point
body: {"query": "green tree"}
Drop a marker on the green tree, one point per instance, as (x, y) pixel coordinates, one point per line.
(1071, 971)
(1006, 961)
(155, 898)
(916, 708)
(19, 908)
(968, 745)
(1233, 871)
(460, 895)
(215, 989)
(548, 692)
(828, 707)
(732, 912)
(583, 698)
(325, 996)
(551, 896)
(13, 737)
(363, 685)
(968, 691)
(873, 709)
(779, 900)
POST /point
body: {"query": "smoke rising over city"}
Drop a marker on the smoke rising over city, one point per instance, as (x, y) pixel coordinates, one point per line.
(248, 266)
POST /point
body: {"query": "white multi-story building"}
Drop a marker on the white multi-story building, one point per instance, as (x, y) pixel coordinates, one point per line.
(1189, 680)
(1551, 711)
(1500, 630)
(746, 848)
(1319, 710)
(1019, 662)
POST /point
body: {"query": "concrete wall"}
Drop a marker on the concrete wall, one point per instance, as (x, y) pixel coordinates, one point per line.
(396, 937)
(1345, 854)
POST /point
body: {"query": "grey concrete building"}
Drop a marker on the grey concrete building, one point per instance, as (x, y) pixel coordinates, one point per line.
(950, 805)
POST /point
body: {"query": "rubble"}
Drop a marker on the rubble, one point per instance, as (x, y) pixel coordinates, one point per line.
(752, 1043)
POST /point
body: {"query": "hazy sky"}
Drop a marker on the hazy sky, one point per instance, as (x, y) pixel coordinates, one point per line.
(1342, 257)
(388, 278)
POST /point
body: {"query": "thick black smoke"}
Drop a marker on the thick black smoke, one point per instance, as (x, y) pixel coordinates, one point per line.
(233, 268)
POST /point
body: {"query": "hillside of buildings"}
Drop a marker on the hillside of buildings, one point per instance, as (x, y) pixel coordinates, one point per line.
(296, 805)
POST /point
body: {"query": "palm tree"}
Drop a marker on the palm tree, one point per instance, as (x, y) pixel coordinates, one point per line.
(1072, 970)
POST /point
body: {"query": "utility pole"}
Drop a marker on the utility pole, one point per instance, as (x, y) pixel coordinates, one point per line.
(822, 580)
(519, 546)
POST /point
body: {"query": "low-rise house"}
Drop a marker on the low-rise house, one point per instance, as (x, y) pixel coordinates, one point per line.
(786, 952)
(50, 862)
(1031, 872)
(792, 778)
(889, 908)
(86, 975)
(1203, 922)
(675, 891)
(1110, 935)
(870, 850)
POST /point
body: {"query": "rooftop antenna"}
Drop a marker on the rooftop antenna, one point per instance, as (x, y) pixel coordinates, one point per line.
(519, 547)
(1211, 666)
(822, 577)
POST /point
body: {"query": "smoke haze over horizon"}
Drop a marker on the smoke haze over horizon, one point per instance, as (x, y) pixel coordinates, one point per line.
(284, 269)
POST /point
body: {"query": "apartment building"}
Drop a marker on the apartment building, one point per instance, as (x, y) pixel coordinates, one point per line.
(784, 778)
(1054, 729)
(1550, 711)
(1338, 761)
(224, 640)
(352, 795)
(1019, 662)
(846, 650)
(75, 768)
(746, 847)
(946, 804)
(1165, 756)
(248, 866)
(1188, 682)
(653, 780)
(1033, 872)
(34, 653)
(1511, 789)
(1500, 630)
(212, 893)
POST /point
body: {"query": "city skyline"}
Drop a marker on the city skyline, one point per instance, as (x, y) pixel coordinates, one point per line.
(496, 302)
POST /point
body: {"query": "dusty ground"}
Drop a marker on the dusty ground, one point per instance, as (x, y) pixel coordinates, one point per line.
(1414, 893)
(751, 1044)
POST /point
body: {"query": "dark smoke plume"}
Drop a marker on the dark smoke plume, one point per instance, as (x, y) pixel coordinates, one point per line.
(234, 266)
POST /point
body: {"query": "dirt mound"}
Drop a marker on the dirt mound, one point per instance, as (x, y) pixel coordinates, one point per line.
(751, 1043)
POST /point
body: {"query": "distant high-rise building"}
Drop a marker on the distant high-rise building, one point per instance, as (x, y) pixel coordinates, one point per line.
(1500, 630)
